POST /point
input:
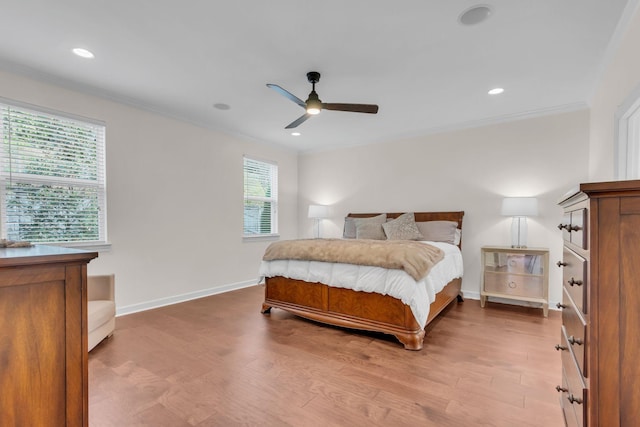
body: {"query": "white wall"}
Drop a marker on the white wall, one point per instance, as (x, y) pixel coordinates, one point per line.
(469, 170)
(162, 250)
(175, 199)
(621, 76)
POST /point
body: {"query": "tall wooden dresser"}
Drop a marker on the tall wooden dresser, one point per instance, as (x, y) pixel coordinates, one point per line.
(600, 337)
(43, 337)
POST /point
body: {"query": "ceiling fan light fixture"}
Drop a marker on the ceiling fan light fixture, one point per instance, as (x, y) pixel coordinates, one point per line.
(314, 105)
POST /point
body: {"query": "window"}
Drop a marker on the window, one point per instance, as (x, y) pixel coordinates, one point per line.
(52, 177)
(628, 138)
(260, 198)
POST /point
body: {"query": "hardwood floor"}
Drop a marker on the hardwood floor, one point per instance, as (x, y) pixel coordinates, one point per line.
(217, 361)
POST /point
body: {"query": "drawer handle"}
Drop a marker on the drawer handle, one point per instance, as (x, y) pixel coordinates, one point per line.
(561, 264)
(573, 340)
(512, 285)
(560, 305)
(561, 389)
(561, 226)
(573, 400)
(560, 347)
(572, 282)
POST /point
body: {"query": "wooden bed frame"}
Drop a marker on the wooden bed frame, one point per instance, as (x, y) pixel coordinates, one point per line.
(361, 310)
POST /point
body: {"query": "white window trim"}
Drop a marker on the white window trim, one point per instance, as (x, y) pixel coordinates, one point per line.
(627, 147)
(86, 246)
(266, 236)
(103, 245)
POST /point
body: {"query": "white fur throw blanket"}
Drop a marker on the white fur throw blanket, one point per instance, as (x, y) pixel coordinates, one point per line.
(415, 258)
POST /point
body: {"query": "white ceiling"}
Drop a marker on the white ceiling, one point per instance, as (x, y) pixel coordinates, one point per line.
(425, 70)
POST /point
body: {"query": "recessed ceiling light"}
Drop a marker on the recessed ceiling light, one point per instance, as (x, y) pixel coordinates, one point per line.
(475, 14)
(295, 133)
(221, 106)
(83, 53)
(496, 91)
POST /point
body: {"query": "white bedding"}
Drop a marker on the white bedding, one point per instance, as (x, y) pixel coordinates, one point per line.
(417, 295)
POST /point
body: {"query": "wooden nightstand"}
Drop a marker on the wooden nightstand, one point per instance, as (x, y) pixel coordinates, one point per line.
(515, 273)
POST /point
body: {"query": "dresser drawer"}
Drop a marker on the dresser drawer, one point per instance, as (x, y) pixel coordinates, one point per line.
(564, 226)
(513, 284)
(574, 278)
(578, 228)
(568, 410)
(576, 331)
(573, 227)
(574, 392)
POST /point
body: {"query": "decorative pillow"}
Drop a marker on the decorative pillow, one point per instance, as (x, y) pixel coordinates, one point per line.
(349, 231)
(438, 231)
(458, 237)
(371, 228)
(402, 228)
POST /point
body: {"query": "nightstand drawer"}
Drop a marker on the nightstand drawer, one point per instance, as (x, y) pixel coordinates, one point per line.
(513, 284)
(505, 262)
(574, 277)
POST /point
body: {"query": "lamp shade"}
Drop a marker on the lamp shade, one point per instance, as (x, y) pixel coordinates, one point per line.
(318, 211)
(519, 206)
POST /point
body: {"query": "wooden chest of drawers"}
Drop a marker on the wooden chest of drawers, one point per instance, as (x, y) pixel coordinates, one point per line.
(43, 337)
(600, 338)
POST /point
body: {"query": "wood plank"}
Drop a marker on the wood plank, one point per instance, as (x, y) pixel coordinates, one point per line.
(218, 361)
(32, 354)
(630, 318)
(605, 331)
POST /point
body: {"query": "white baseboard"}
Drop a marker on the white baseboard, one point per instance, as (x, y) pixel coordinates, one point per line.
(470, 295)
(161, 302)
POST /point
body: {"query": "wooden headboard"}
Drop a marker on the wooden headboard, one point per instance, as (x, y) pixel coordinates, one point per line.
(420, 216)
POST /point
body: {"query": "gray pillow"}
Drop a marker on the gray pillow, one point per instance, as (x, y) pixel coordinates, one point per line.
(349, 231)
(371, 228)
(438, 231)
(402, 228)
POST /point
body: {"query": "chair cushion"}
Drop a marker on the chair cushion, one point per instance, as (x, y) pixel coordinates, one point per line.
(99, 312)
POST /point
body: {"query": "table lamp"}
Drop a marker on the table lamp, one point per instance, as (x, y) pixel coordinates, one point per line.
(519, 208)
(318, 213)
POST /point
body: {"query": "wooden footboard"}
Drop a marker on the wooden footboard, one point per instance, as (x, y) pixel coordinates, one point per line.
(354, 309)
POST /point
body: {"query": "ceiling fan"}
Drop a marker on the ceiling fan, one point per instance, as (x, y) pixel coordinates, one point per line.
(313, 105)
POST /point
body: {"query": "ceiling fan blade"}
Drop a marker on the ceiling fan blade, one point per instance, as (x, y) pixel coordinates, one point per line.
(287, 94)
(355, 108)
(297, 122)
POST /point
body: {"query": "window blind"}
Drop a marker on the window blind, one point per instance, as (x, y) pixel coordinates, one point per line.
(260, 197)
(52, 177)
